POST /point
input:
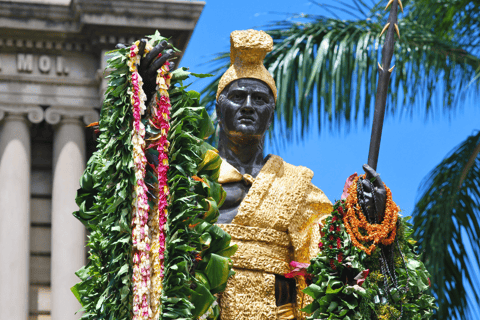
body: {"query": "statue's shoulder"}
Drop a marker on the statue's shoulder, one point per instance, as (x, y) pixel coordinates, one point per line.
(302, 175)
(287, 170)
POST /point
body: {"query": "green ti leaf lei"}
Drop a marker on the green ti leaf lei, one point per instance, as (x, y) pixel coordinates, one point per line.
(197, 263)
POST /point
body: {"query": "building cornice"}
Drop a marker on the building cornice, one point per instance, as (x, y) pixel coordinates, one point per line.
(90, 21)
(175, 15)
(24, 79)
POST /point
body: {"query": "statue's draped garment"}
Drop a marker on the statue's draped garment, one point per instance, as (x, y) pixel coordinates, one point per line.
(277, 222)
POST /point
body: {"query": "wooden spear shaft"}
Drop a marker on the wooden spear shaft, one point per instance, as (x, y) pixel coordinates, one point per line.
(383, 81)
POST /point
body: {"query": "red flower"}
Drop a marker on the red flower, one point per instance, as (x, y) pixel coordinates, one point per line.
(330, 237)
(340, 257)
(332, 228)
(330, 246)
(320, 245)
(322, 234)
(338, 228)
(332, 264)
(429, 283)
(334, 218)
(339, 243)
(340, 209)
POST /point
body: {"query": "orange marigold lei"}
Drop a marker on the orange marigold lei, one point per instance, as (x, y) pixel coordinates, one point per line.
(354, 220)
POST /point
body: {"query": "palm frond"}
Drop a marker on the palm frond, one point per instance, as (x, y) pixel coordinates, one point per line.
(336, 62)
(457, 20)
(446, 221)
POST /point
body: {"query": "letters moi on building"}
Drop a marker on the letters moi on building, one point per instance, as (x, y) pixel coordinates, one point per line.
(44, 63)
(52, 80)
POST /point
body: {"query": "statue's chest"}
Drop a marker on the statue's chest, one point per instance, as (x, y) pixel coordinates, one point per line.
(236, 192)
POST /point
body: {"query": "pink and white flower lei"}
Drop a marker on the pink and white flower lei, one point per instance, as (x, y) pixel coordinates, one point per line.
(149, 243)
(140, 231)
(161, 121)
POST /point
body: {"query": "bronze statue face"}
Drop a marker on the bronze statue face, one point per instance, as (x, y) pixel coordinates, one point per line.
(245, 108)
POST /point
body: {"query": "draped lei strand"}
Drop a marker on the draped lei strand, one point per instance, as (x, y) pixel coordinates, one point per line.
(140, 230)
(160, 121)
(148, 224)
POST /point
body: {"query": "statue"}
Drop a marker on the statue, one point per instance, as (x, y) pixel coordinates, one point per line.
(176, 255)
(272, 210)
(268, 201)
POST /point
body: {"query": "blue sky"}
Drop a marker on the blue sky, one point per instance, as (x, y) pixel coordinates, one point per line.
(411, 146)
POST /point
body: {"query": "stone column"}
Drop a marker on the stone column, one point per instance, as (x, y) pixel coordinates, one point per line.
(15, 209)
(68, 234)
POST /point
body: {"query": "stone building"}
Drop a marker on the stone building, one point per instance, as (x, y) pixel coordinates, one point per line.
(51, 85)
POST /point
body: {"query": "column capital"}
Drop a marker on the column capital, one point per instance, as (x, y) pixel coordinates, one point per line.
(54, 115)
(33, 113)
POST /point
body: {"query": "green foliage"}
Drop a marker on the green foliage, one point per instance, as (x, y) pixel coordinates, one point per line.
(446, 220)
(197, 263)
(413, 278)
(338, 295)
(336, 61)
(457, 20)
(104, 201)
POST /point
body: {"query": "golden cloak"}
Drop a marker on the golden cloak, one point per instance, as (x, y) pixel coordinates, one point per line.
(276, 223)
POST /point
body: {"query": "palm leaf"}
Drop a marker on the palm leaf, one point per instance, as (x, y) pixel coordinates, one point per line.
(457, 20)
(446, 221)
(337, 61)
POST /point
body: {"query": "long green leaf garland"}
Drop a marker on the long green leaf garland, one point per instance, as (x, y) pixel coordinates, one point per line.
(197, 263)
(105, 204)
(181, 256)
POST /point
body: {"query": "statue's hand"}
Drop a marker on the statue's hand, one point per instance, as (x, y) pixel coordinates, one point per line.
(374, 194)
(151, 63)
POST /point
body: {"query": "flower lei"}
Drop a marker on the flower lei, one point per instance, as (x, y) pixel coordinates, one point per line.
(332, 243)
(140, 230)
(355, 221)
(337, 272)
(149, 229)
(160, 121)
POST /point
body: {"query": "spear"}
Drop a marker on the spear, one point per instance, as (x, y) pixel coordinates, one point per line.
(383, 81)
